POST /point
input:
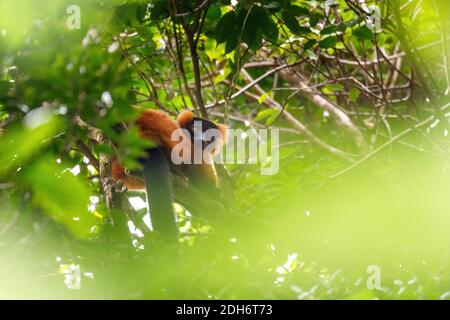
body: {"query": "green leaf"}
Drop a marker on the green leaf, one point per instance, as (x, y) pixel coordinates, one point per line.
(363, 33)
(19, 144)
(257, 20)
(341, 27)
(293, 24)
(262, 16)
(63, 197)
(355, 21)
(271, 31)
(294, 10)
(141, 11)
(266, 114)
(232, 43)
(223, 74)
(328, 42)
(354, 94)
(309, 44)
(103, 148)
(290, 21)
(264, 97)
(126, 14)
(381, 39)
(257, 40)
(160, 10)
(314, 19)
(328, 30)
(213, 12)
(250, 28)
(226, 28)
(303, 30)
(332, 88)
(212, 50)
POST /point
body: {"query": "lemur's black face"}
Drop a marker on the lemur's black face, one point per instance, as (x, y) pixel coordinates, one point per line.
(197, 129)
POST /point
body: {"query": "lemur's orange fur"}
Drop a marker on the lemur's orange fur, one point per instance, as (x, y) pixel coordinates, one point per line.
(158, 126)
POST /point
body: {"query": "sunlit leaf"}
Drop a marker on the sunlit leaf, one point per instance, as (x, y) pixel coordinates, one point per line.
(328, 42)
(353, 94)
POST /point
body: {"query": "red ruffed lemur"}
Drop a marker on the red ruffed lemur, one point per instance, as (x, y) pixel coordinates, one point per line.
(186, 138)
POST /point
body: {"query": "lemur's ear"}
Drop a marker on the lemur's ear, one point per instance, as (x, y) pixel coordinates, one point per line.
(184, 118)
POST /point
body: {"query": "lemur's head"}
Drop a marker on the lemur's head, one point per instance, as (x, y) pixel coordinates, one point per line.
(203, 132)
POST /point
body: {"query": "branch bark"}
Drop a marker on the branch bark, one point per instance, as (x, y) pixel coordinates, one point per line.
(322, 102)
(300, 127)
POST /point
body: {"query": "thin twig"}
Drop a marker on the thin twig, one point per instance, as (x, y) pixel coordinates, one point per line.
(387, 143)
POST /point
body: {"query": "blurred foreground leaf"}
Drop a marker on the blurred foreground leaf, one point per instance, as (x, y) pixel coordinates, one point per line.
(20, 143)
(63, 196)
